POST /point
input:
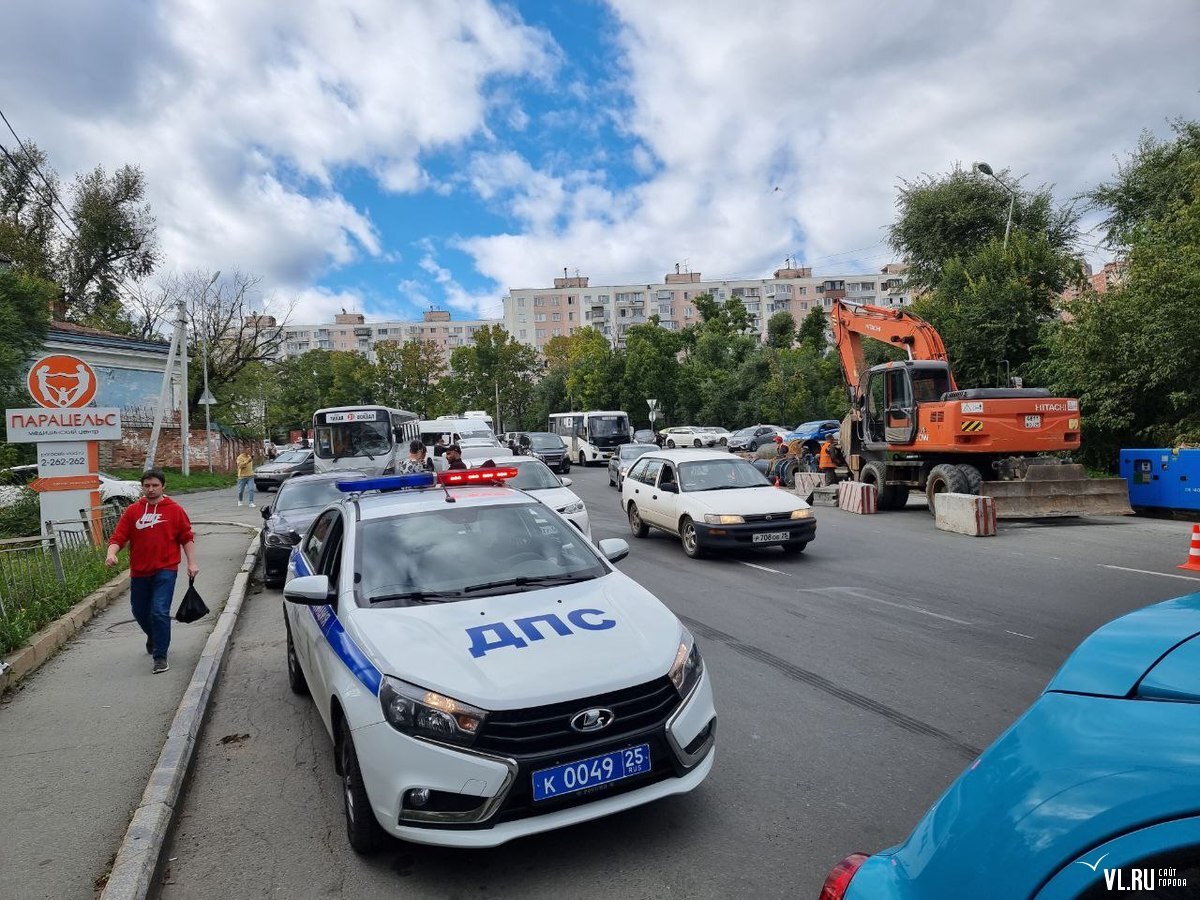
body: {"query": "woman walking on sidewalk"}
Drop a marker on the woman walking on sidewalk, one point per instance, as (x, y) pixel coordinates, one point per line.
(155, 527)
(245, 475)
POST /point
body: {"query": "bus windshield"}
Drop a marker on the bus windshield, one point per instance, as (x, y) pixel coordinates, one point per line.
(608, 426)
(340, 439)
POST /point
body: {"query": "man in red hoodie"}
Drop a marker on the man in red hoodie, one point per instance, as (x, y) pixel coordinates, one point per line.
(155, 527)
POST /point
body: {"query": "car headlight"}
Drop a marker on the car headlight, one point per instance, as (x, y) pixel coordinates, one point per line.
(712, 519)
(417, 712)
(277, 540)
(688, 665)
(802, 513)
(571, 508)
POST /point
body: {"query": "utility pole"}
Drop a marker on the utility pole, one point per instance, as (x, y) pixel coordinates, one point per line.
(206, 398)
(497, 404)
(184, 418)
(176, 342)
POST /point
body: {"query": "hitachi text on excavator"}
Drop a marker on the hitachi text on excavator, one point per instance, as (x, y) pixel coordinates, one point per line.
(910, 426)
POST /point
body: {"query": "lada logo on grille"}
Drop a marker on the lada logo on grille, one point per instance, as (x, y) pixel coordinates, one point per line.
(592, 720)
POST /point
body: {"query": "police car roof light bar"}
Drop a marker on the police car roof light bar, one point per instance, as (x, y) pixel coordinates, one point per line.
(476, 476)
(387, 483)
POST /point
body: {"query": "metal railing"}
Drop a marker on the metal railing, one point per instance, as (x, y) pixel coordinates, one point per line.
(34, 569)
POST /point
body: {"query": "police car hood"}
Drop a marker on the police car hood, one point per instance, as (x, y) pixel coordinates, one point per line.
(530, 649)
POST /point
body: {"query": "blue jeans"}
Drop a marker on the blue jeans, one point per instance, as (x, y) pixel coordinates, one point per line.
(150, 598)
(244, 484)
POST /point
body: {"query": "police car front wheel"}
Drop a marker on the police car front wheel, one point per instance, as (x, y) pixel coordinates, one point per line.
(296, 679)
(363, 830)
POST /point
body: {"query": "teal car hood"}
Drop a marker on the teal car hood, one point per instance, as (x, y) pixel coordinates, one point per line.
(1111, 746)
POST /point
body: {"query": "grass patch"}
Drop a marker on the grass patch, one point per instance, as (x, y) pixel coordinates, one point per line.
(198, 480)
(20, 519)
(33, 596)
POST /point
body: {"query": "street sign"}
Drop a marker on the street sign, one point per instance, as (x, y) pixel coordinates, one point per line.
(654, 415)
(653, 404)
(65, 483)
(207, 399)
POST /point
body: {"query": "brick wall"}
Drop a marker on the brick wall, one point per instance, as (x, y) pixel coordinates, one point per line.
(130, 451)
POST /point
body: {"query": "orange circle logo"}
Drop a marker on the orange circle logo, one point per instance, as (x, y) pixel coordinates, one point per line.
(60, 381)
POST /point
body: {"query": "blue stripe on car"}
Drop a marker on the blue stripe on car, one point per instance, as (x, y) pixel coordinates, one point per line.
(340, 642)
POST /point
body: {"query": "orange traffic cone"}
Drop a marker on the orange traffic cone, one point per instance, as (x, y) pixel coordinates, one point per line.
(1193, 562)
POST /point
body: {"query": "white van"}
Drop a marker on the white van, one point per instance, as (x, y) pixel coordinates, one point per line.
(472, 435)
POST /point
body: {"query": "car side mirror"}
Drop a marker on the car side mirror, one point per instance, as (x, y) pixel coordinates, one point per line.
(669, 487)
(266, 512)
(308, 590)
(566, 482)
(614, 549)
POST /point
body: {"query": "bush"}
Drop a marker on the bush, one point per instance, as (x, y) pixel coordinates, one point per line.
(22, 518)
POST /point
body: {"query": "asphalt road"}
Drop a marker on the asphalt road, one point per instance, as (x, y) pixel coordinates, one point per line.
(852, 684)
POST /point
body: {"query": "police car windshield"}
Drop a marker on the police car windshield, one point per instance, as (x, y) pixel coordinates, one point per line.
(463, 551)
(719, 474)
(533, 475)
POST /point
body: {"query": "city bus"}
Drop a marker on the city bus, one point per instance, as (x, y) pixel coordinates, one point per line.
(593, 436)
(371, 439)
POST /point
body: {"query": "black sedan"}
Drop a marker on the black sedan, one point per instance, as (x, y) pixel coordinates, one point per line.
(282, 467)
(297, 504)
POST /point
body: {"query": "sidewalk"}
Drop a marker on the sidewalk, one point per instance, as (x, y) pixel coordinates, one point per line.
(80, 737)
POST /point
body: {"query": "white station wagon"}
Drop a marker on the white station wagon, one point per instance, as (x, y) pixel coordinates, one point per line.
(713, 501)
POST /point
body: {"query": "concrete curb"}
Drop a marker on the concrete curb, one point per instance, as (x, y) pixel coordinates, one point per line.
(43, 645)
(133, 872)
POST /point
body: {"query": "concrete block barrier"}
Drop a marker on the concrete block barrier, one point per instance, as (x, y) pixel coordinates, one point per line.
(966, 514)
(857, 497)
(807, 483)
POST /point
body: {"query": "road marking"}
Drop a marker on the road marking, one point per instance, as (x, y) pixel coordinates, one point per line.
(765, 569)
(1018, 634)
(864, 596)
(1146, 572)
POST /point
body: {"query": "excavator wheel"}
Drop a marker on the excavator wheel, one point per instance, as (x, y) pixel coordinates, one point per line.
(891, 496)
(944, 479)
(974, 478)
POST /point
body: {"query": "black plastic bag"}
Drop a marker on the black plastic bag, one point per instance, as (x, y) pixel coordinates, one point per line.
(192, 607)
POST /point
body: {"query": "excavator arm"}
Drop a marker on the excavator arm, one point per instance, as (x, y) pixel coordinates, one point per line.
(898, 327)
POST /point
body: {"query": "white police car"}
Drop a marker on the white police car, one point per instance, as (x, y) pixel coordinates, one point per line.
(484, 671)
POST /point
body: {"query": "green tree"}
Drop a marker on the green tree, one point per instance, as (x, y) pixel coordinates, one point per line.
(305, 385)
(494, 364)
(28, 228)
(24, 319)
(813, 328)
(781, 330)
(651, 370)
(408, 375)
(952, 216)
(1132, 355)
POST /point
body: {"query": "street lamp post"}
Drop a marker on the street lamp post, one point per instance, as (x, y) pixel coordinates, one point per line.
(1012, 197)
(207, 398)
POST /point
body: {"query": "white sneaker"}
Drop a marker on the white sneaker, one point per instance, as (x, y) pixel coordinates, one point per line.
(239, 503)
(252, 504)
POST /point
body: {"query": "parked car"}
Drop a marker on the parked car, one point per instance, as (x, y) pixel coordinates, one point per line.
(618, 465)
(542, 445)
(487, 675)
(713, 501)
(13, 483)
(1094, 785)
(119, 492)
(288, 517)
(754, 436)
(535, 478)
(720, 435)
(270, 475)
(686, 436)
(813, 433)
(645, 436)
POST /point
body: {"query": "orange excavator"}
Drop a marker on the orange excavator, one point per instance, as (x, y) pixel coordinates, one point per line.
(910, 426)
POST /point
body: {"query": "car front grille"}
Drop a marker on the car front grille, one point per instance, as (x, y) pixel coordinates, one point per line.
(547, 729)
(781, 518)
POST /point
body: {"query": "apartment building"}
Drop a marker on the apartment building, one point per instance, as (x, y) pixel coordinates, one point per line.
(352, 332)
(534, 315)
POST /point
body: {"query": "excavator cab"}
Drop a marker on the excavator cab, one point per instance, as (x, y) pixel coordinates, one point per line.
(893, 393)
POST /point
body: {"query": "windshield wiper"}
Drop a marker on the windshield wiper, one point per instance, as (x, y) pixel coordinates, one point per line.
(416, 596)
(731, 487)
(525, 580)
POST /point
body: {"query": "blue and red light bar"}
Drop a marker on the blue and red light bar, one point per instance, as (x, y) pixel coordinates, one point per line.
(476, 476)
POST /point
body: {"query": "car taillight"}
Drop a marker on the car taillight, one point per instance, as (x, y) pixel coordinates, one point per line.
(838, 879)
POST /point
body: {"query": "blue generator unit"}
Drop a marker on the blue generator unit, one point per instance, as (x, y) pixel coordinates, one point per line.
(1162, 478)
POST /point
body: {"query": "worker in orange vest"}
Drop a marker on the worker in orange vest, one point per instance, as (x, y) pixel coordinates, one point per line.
(825, 462)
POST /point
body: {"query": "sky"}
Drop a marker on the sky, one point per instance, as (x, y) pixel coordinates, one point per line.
(389, 156)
